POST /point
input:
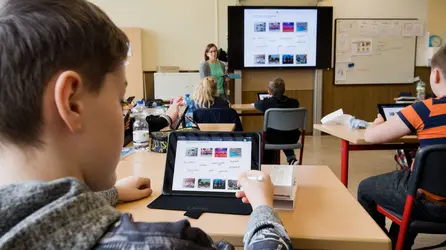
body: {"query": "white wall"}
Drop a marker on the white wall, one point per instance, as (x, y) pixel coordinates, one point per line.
(175, 32)
(223, 22)
(280, 2)
(437, 18)
(381, 9)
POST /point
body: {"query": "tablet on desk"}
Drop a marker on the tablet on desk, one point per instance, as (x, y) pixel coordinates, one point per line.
(202, 169)
(389, 110)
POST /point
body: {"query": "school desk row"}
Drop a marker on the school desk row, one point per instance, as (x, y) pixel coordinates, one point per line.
(326, 215)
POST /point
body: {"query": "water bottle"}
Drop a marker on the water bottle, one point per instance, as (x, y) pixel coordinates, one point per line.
(140, 128)
(139, 106)
(421, 91)
(190, 111)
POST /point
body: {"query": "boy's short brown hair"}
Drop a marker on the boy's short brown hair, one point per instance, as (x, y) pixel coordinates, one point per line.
(439, 60)
(39, 39)
(277, 86)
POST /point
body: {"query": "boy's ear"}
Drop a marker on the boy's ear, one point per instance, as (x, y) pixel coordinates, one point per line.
(68, 92)
(436, 75)
(269, 92)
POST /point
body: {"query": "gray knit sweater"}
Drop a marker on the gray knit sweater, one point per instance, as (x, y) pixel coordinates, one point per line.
(205, 69)
(65, 214)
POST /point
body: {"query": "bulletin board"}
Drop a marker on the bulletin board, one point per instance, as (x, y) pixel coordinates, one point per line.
(375, 51)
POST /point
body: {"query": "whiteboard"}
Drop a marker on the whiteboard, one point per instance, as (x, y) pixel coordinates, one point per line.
(374, 51)
(172, 85)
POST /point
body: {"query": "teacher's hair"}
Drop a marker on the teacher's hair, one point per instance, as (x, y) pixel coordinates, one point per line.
(208, 47)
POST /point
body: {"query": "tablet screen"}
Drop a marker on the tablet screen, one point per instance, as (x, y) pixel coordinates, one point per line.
(211, 164)
(387, 111)
(391, 111)
(263, 96)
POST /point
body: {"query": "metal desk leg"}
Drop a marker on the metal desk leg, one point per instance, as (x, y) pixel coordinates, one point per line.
(344, 162)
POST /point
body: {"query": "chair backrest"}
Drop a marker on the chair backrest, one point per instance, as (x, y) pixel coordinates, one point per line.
(285, 119)
(214, 115)
(429, 172)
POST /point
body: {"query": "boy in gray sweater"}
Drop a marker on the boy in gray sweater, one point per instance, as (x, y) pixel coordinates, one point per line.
(61, 130)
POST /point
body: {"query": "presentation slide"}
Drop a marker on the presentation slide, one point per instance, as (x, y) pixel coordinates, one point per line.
(210, 166)
(280, 37)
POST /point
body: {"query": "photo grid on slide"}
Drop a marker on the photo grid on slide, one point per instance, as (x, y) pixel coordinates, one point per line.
(206, 183)
(289, 35)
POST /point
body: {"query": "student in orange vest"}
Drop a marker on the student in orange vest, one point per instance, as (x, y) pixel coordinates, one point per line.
(428, 120)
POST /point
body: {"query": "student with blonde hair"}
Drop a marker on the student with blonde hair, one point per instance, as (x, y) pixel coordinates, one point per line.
(206, 95)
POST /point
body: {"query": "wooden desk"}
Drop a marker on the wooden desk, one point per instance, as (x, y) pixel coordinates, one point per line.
(326, 216)
(246, 110)
(353, 140)
(219, 127)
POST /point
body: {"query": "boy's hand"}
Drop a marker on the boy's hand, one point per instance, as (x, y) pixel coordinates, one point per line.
(133, 188)
(255, 192)
(378, 120)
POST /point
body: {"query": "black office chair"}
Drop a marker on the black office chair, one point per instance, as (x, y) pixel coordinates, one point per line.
(428, 174)
(226, 115)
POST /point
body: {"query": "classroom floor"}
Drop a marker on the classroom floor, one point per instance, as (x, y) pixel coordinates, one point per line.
(325, 150)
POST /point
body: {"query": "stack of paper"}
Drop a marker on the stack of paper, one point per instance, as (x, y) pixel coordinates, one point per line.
(336, 118)
(285, 185)
(406, 100)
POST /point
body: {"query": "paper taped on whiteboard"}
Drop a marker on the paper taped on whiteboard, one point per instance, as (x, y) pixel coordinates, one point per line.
(362, 47)
(413, 29)
(341, 72)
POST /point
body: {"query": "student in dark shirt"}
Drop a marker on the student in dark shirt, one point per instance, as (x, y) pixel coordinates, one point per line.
(278, 99)
(206, 95)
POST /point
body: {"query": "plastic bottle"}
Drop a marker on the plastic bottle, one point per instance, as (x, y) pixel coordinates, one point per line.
(190, 111)
(421, 91)
(140, 128)
(139, 106)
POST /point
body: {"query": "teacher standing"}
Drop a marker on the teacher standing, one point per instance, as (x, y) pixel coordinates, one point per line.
(214, 68)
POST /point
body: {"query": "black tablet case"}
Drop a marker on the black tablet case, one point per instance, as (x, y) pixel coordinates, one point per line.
(202, 203)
